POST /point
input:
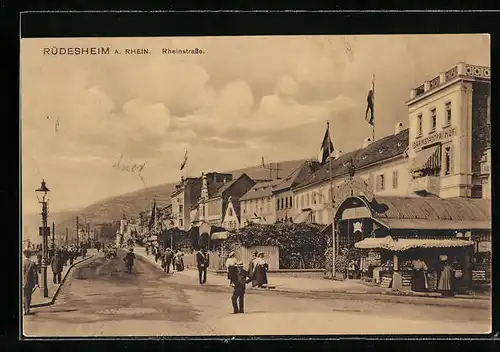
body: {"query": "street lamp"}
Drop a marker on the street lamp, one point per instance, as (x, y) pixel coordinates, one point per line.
(42, 194)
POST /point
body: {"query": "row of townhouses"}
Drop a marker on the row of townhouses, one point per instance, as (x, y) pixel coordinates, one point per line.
(428, 181)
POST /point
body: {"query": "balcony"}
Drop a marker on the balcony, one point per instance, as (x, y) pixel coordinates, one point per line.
(427, 184)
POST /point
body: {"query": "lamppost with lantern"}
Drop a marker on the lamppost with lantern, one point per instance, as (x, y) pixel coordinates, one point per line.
(42, 195)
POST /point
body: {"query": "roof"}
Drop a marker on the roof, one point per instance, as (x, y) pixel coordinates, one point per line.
(227, 185)
(432, 208)
(298, 175)
(380, 150)
(408, 243)
(261, 190)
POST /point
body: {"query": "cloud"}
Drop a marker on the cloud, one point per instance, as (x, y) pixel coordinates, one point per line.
(246, 97)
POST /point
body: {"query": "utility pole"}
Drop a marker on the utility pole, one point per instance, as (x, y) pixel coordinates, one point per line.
(77, 242)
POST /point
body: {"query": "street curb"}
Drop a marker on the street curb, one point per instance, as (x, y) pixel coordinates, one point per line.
(51, 302)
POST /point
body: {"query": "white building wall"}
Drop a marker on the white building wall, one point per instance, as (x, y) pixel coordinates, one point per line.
(230, 221)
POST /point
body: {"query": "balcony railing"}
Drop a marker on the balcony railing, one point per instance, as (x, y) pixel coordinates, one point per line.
(429, 184)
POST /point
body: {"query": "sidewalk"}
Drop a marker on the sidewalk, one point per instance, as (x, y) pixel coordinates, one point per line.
(303, 285)
(286, 284)
(37, 300)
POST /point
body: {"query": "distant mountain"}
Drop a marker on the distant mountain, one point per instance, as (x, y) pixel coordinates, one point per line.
(133, 203)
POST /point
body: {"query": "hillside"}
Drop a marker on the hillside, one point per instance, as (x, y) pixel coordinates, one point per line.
(111, 209)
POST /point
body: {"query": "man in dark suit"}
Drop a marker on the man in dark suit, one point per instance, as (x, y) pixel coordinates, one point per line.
(30, 280)
(240, 279)
(202, 261)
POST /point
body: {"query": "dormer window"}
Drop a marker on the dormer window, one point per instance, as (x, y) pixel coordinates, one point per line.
(364, 157)
(380, 151)
(399, 144)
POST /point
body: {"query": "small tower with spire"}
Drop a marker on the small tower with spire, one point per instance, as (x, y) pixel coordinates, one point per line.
(204, 186)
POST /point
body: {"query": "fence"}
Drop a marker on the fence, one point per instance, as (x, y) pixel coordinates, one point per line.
(217, 261)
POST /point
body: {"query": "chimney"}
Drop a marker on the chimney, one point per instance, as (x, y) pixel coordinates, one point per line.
(367, 142)
(338, 153)
(398, 128)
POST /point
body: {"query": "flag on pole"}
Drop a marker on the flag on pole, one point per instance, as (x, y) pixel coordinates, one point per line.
(184, 161)
(326, 147)
(370, 107)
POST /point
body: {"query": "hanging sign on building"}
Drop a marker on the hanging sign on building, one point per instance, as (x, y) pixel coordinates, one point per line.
(435, 137)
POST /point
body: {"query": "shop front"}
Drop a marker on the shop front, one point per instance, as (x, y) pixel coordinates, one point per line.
(406, 242)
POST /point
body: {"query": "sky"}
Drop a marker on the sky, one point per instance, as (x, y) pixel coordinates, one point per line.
(242, 99)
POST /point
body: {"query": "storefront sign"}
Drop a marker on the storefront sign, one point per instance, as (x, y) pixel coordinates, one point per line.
(478, 275)
(435, 137)
(484, 246)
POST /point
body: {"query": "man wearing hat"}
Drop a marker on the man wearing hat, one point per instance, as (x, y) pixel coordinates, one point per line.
(30, 280)
(231, 268)
(129, 260)
(241, 278)
(57, 267)
(168, 260)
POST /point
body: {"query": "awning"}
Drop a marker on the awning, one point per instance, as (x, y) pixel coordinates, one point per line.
(372, 243)
(223, 235)
(409, 243)
(420, 224)
(302, 217)
(427, 159)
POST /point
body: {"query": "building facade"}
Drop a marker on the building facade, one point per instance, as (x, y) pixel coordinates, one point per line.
(232, 216)
(189, 191)
(449, 132)
(258, 205)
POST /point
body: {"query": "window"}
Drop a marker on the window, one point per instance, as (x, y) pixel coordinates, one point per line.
(230, 211)
(447, 160)
(314, 197)
(277, 204)
(286, 202)
(181, 208)
(290, 204)
(180, 223)
(448, 113)
(419, 125)
(395, 179)
(282, 204)
(380, 183)
(203, 208)
(433, 120)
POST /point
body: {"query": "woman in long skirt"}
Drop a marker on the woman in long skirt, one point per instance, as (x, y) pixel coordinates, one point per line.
(261, 268)
(445, 281)
(419, 276)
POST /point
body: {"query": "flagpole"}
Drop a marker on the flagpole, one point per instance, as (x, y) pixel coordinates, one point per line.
(331, 197)
(373, 110)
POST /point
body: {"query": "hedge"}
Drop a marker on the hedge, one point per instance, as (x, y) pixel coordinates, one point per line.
(301, 246)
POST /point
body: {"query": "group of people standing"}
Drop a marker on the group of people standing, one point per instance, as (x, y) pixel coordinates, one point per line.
(445, 276)
(170, 258)
(238, 277)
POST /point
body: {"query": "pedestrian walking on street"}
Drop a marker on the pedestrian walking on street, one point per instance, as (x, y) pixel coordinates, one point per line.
(231, 267)
(202, 261)
(259, 276)
(30, 281)
(57, 267)
(157, 254)
(129, 260)
(240, 279)
(71, 255)
(168, 260)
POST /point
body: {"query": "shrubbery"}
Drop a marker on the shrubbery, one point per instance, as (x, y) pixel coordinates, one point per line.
(300, 245)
